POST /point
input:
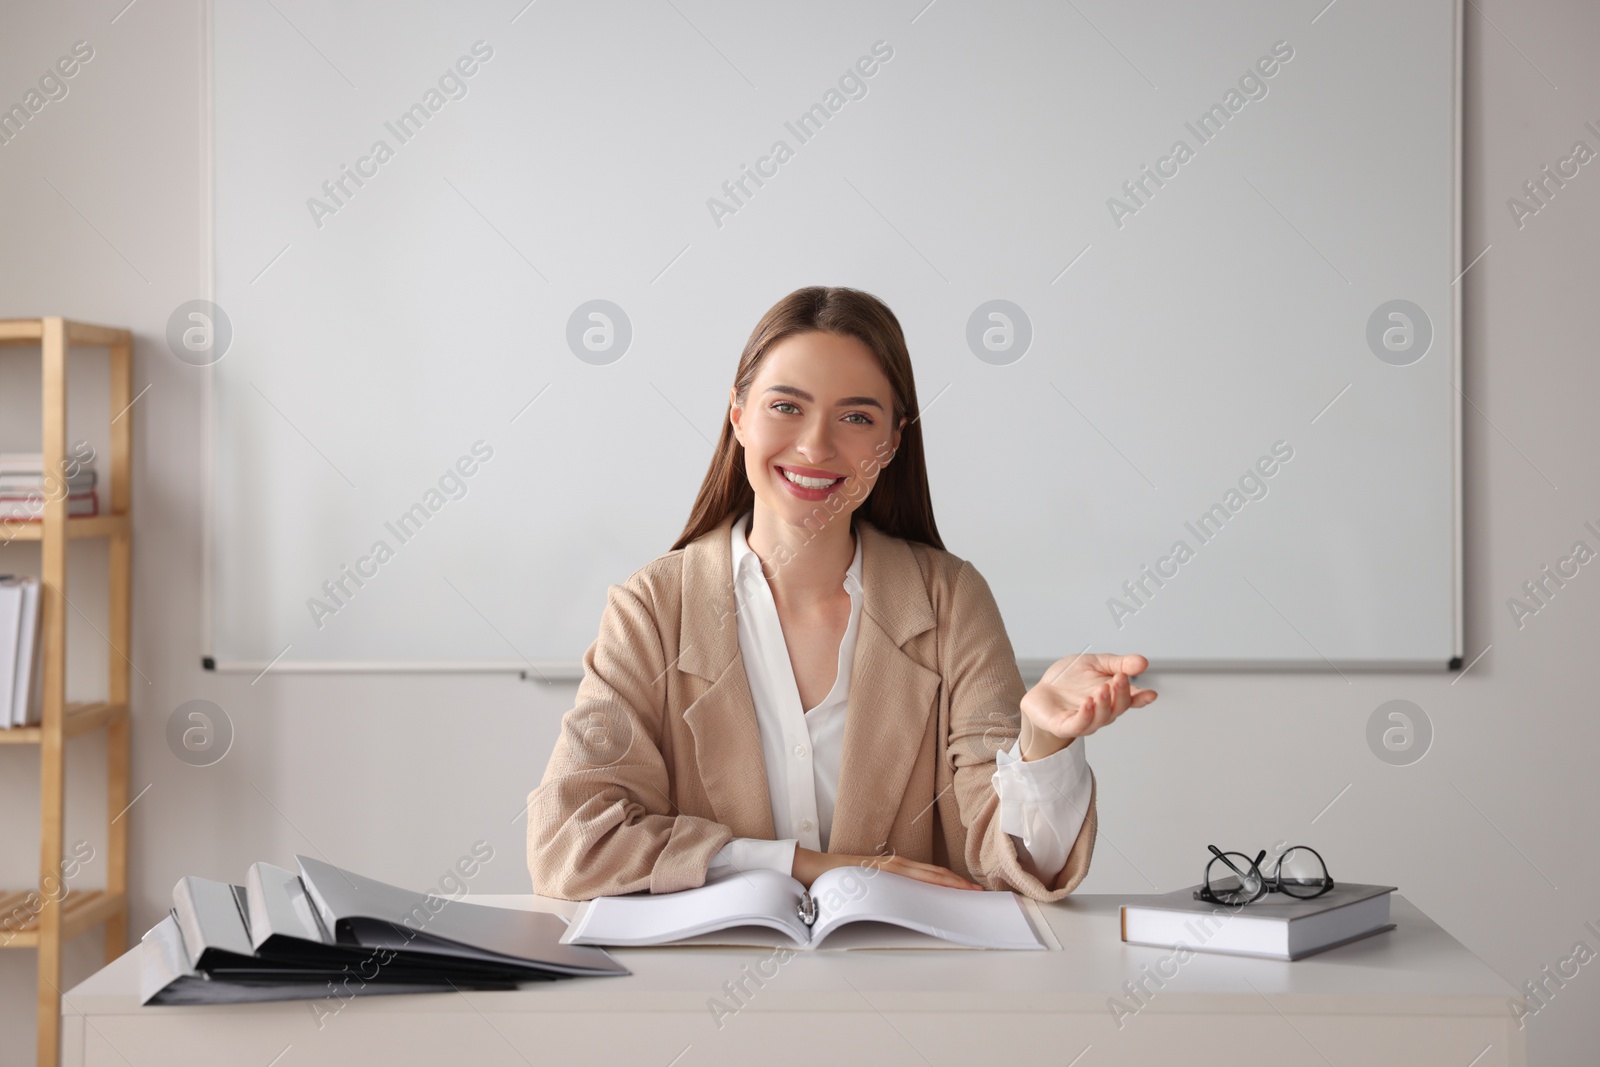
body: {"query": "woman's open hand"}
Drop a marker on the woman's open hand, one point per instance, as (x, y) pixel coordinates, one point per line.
(810, 865)
(1080, 694)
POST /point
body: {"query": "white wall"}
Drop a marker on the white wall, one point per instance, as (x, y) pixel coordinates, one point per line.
(397, 777)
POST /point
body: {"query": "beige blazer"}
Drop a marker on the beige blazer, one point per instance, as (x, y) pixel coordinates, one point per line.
(659, 764)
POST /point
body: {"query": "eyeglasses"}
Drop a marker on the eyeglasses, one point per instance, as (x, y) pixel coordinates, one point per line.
(1235, 879)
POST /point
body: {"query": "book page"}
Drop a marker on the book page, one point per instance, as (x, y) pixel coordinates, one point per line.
(973, 918)
(749, 898)
(866, 935)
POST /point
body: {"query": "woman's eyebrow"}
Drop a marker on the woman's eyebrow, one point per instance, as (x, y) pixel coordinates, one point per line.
(867, 401)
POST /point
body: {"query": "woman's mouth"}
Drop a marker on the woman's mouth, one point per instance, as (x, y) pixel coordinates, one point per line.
(807, 487)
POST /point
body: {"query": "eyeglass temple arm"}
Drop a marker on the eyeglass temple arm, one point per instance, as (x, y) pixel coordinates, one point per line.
(1256, 863)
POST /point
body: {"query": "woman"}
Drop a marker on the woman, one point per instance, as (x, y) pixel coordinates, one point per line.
(807, 679)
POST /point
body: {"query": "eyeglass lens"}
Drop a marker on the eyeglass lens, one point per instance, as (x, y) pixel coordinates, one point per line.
(1300, 872)
(1234, 879)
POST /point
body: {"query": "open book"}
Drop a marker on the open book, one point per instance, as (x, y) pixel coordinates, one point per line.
(328, 932)
(884, 910)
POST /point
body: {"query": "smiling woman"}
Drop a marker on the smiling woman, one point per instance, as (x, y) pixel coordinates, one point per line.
(824, 393)
(858, 710)
(790, 431)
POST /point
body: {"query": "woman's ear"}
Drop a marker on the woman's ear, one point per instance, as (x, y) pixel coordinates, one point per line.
(734, 413)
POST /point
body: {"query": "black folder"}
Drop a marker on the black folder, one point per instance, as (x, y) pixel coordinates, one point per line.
(329, 932)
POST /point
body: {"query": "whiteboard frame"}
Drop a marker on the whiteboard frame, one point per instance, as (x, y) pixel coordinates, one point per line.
(564, 671)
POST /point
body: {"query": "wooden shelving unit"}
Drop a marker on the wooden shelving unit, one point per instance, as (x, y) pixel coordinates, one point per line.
(50, 917)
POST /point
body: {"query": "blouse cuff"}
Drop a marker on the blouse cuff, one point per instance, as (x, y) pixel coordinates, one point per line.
(1043, 803)
(755, 853)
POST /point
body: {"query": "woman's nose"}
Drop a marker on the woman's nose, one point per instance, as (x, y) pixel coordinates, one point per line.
(816, 440)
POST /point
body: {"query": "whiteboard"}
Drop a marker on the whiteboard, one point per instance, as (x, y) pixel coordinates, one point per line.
(418, 210)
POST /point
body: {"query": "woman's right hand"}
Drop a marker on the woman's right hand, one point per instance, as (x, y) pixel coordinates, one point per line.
(809, 865)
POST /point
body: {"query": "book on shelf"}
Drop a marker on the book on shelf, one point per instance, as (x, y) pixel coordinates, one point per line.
(851, 907)
(16, 484)
(24, 484)
(287, 935)
(16, 507)
(21, 694)
(26, 470)
(1276, 926)
(23, 464)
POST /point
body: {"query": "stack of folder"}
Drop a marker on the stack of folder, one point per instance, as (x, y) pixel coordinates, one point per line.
(327, 932)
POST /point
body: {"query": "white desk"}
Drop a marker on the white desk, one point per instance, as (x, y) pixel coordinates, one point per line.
(1412, 996)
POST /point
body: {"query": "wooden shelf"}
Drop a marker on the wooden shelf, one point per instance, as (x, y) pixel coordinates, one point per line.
(84, 908)
(31, 332)
(52, 339)
(77, 529)
(21, 331)
(80, 719)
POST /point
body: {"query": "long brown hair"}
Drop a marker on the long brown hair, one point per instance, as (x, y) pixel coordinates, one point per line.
(899, 503)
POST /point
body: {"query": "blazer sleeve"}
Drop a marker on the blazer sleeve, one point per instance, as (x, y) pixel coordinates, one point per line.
(601, 822)
(985, 691)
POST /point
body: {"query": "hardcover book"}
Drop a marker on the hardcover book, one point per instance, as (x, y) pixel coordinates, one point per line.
(1276, 926)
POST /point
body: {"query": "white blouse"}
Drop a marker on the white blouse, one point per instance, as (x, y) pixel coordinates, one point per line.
(1042, 802)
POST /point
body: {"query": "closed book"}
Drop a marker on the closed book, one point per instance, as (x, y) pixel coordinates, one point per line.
(79, 505)
(11, 598)
(15, 486)
(21, 463)
(1276, 926)
(78, 456)
(35, 482)
(27, 695)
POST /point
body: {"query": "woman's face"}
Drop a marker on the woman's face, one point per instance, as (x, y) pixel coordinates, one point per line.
(820, 408)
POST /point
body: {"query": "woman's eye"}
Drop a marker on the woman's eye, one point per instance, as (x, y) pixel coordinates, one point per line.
(781, 405)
